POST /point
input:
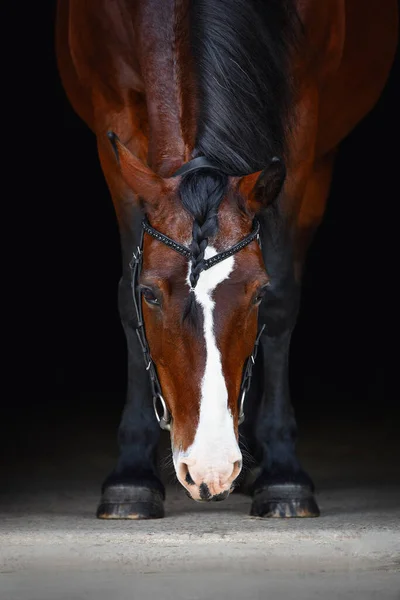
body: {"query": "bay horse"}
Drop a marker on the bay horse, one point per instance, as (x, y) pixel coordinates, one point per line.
(217, 125)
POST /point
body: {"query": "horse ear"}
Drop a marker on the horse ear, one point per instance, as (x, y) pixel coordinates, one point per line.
(262, 188)
(146, 184)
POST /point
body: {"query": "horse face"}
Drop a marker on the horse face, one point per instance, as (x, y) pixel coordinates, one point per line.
(200, 359)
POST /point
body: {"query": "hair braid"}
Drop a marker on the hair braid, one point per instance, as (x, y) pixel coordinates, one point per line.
(201, 194)
(200, 236)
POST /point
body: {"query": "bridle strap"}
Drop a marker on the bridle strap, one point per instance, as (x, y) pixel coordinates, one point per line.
(248, 373)
(157, 235)
(187, 253)
(136, 267)
(254, 234)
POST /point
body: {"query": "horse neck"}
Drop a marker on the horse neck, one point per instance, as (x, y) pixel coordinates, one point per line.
(164, 56)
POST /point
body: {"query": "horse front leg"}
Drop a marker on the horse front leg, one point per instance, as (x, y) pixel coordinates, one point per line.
(133, 489)
(282, 488)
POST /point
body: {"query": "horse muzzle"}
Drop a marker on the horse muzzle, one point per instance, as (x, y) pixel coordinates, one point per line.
(206, 482)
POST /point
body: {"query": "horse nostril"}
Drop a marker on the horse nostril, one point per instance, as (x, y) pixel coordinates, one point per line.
(184, 475)
(205, 493)
(189, 479)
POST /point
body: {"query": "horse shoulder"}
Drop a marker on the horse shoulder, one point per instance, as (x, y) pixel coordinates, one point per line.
(98, 64)
(340, 70)
(353, 88)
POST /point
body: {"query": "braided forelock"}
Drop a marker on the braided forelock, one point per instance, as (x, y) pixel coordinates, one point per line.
(201, 194)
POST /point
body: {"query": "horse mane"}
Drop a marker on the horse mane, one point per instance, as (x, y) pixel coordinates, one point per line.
(241, 51)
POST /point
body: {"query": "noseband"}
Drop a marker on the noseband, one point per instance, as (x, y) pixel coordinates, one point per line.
(164, 418)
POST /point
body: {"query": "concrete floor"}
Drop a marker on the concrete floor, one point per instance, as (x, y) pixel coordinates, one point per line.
(52, 547)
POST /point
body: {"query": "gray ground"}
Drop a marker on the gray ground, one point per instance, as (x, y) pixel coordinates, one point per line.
(52, 547)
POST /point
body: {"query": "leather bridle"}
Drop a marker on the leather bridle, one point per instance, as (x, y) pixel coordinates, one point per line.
(164, 417)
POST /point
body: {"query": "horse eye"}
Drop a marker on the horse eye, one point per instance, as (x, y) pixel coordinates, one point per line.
(260, 294)
(149, 296)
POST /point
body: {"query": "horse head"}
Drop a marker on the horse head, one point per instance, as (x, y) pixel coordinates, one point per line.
(199, 279)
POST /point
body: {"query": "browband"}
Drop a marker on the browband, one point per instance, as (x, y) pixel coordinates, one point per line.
(187, 253)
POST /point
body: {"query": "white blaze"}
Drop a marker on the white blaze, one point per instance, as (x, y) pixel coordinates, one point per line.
(214, 449)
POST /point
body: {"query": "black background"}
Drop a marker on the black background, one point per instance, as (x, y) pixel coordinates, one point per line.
(345, 333)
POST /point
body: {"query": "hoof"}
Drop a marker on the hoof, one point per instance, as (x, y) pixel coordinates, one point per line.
(130, 502)
(284, 501)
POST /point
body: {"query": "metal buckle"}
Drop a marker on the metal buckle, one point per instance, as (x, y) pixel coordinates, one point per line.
(135, 258)
(241, 411)
(165, 419)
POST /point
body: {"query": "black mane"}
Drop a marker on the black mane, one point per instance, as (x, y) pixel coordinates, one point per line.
(241, 51)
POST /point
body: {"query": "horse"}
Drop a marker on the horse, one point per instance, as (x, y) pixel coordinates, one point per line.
(217, 126)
